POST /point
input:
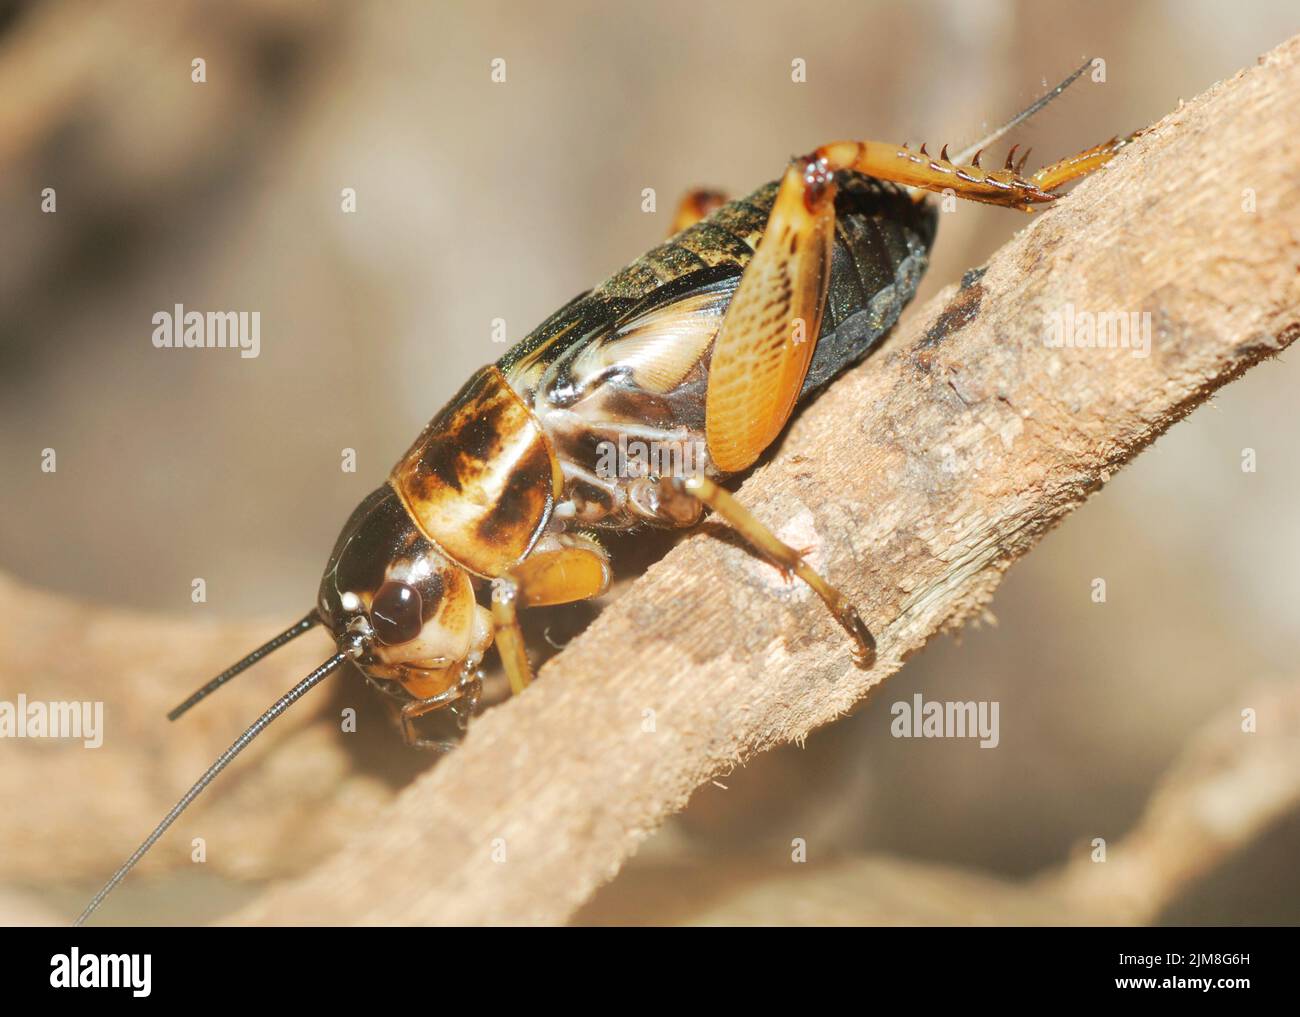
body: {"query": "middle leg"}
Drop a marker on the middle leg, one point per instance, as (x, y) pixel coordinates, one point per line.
(785, 558)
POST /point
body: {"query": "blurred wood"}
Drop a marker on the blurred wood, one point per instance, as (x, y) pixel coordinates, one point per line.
(1233, 782)
(875, 890)
(95, 112)
(1226, 789)
(918, 478)
(292, 800)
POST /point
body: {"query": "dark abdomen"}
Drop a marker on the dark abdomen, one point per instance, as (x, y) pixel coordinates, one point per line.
(882, 243)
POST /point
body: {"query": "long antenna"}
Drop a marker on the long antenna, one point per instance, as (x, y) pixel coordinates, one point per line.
(292, 632)
(282, 704)
(966, 154)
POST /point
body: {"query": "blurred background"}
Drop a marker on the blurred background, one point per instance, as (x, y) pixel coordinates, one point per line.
(479, 200)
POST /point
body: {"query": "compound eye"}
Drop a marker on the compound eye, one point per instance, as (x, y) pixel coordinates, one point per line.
(395, 613)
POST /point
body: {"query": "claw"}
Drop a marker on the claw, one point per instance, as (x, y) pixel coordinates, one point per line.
(923, 151)
(976, 160)
(1010, 156)
(943, 155)
(1021, 164)
(864, 648)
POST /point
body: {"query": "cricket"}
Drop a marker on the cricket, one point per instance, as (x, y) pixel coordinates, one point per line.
(707, 342)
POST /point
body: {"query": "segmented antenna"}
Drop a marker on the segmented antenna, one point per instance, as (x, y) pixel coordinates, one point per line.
(292, 632)
(258, 726)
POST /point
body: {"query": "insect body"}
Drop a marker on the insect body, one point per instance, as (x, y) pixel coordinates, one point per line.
(508, 486)
(703, 345)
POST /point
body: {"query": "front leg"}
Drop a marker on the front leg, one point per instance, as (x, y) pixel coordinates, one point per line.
(460, 702)
(564, 569)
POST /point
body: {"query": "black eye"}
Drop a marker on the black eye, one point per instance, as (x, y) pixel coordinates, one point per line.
(395, 613)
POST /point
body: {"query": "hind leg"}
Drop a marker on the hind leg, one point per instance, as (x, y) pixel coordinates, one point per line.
(1060, 173)
(900, 165)
(765, 345)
